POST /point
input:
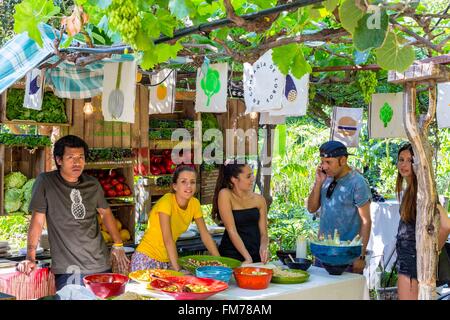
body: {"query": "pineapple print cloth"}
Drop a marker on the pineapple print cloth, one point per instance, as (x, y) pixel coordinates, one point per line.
(71, 214)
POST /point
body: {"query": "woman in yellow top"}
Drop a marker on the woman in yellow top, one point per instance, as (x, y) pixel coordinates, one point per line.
(169, 218)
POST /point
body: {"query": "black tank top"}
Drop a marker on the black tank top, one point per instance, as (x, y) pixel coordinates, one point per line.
(246, 221)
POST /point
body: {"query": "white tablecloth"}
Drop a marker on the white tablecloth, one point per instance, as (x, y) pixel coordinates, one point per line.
(320, 286)
(385, 218)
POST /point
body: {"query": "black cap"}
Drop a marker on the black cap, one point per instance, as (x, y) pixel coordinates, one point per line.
(333, 149)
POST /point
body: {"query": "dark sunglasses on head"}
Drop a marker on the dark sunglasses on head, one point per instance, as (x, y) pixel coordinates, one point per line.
(331, 188)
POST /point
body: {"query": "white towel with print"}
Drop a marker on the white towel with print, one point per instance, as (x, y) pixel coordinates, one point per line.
(386, 116)
(443, 105)
(34, 89)
(162, 92)
(345, 125)
(295, 97)
(211, 88)
(263, 85)
(127, 87)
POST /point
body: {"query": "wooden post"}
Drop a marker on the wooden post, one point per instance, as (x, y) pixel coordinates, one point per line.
(427, 219)
(268, 166)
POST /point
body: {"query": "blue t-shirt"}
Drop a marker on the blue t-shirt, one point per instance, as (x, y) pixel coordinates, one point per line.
(341, 210)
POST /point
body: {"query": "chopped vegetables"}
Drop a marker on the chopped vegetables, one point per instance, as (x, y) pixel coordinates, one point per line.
(336, 241)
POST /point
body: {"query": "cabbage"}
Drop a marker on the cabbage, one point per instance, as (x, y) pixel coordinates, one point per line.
(13, 199)
(25, 204)
(27, 188)
(15, 180)
(18, 213)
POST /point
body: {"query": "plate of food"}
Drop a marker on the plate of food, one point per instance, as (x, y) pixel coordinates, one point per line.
(289, 276)
(188, 287)
(191, 263)
(146, 276)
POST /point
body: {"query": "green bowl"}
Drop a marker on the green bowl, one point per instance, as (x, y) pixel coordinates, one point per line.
(303, 276)
(228, 262)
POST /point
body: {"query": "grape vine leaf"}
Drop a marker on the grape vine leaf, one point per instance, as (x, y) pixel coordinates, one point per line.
(350, 14)
(167, 22)
(391, 56)
(330, 5)
(371, 30)
(290, 59)
(29, 13)
(181, 8)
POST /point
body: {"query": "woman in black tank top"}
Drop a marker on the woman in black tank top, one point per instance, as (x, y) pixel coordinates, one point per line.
(243, 213)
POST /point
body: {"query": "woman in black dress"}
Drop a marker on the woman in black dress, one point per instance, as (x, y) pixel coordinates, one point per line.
(243, 213)
(406, 236)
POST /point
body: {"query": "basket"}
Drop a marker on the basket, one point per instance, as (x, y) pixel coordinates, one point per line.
(389, 293)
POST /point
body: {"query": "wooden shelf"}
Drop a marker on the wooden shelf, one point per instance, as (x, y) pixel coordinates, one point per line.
(159, 191)
(108, 164)
(169, 144)
(35, 123)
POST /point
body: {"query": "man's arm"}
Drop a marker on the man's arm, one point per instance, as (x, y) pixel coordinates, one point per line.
(314, 196)
(364, 232)
(366, 224)
(34, 234)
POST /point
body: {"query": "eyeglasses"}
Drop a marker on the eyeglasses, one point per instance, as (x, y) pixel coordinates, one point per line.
(331, 188)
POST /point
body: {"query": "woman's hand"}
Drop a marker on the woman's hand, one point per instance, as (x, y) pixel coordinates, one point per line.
(264, 253)
(247, 261)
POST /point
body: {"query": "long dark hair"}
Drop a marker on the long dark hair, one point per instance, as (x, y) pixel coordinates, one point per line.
(408, 206)
(226, 172)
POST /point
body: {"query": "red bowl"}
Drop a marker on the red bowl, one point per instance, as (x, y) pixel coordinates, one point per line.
(248, 277)
(105, 285)
(214, 287)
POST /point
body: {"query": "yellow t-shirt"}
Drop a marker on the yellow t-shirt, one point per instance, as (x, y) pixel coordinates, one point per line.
(152, 243)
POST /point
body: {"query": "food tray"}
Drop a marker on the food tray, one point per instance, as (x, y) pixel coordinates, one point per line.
(203, 260)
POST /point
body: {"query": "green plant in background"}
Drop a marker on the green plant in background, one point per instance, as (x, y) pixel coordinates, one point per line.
(367, 81)
(53, 108)
(14, 228)
(24, 140)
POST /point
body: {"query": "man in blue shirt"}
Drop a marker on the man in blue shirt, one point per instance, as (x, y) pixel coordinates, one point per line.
(343, 196)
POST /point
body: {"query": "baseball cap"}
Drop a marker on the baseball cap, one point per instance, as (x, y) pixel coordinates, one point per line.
(333, 149)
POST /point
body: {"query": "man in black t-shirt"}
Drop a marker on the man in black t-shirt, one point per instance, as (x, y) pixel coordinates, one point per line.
(69, 201)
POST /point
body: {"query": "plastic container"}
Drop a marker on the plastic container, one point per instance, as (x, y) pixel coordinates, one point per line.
(215, 272)
(105, 285)
(251, 277)
(301, 247)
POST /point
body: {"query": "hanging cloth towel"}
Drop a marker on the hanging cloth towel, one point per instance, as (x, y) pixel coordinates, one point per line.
(443, 105)
(34, 90)
(386, 116)
(263, 85)
(295, 97)
(211, 93)
(124, 82)
(345, 125)
(162, 92)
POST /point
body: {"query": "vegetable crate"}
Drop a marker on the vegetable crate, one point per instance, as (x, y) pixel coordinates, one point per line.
(117, 181)
(28, 162)
(208, 185)
(55, 111)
